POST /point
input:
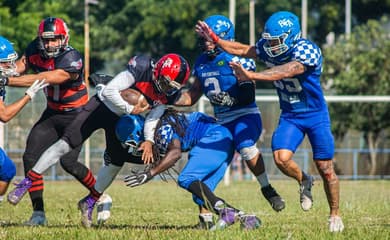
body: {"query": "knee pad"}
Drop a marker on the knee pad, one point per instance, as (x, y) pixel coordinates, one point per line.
(247, 153)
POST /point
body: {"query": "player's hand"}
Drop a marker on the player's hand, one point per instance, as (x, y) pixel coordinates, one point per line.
(240, 72)
(223, 99)
(35, 87)
(138, 178)
(141, 107)
(147, 152)
(204, 31)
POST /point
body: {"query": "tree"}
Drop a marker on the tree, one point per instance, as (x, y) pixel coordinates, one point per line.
(359, 65)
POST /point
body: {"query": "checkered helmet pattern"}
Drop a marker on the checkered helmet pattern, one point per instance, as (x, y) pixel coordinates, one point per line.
(166, 134)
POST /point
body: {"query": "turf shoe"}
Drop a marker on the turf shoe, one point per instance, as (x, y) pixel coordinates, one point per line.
(277, 203)
(86, 206)
(335, 224)
(19, 191)
(227, 217)
(38, 218)
(249, 222)
(103, 206)
(306, 197)
(206, 221)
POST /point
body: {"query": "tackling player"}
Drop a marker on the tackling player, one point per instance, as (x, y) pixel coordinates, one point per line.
(295, 67)
(210, 151)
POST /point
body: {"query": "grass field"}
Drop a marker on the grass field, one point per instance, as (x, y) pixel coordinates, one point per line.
(160, 210)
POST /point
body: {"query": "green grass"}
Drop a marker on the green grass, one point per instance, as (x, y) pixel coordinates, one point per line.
(160, 210)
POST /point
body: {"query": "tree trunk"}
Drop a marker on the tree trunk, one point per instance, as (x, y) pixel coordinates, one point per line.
(373, 143)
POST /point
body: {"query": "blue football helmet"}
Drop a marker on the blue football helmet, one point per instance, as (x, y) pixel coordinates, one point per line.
(221, 26)
(8, 57)
(281, 32)
(129, 131)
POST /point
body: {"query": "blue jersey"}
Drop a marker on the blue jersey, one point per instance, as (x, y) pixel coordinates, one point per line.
(216, 76)
(196, 124)
(302, 93)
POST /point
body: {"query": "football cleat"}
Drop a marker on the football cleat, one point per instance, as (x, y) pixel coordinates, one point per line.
(227, 217)
(86, 206)
(335, 224)
(19, 191)
(103, 206)
(306, 197)
(249, 222)
(38, 218)
(277, 203)
(204, 223)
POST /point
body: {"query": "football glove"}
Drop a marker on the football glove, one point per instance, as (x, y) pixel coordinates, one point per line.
(137, 179)
(223, 99)
(35, 87)
(205, 32)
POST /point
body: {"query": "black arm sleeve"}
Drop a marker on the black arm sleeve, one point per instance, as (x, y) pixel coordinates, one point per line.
(246, 93)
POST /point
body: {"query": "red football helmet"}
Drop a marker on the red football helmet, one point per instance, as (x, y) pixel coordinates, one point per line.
(171, 73)
(50, 29)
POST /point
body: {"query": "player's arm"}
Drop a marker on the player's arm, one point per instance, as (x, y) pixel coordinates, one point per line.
(190, 96)
(9, 111)
(275, 73)
(170, 158)
(235, 48)
(56, 76)
(110, 94)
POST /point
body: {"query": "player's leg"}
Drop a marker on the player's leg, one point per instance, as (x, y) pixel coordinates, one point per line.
(322, 143)
(285, 141)
(42, 135)
(114, 158)
(246, 132)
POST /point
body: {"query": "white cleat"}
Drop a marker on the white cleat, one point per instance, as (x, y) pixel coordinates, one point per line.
(335, 224)
(104, 205)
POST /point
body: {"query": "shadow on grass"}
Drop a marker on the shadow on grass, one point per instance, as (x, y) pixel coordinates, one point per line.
(107, 226)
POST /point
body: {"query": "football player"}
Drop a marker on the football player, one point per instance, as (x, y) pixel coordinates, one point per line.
(210, 151)
(51, 57)
(295, 67)
(8, 56)
(233, 102)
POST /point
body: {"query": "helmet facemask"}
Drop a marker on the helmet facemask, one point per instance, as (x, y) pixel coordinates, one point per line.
(8, 57)
(132, 146)
(275, 45)
(8, 66)
(167, 86)
(48, 50)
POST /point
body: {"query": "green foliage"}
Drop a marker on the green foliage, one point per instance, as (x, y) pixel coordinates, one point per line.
(358, 65)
